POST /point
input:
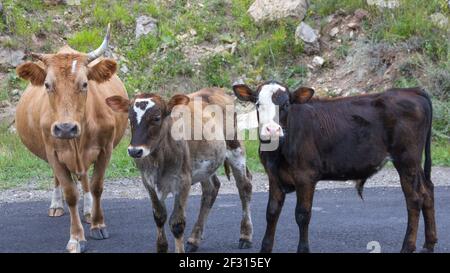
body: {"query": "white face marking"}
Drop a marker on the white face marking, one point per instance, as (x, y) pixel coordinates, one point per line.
(74, 66)
(139, 111)
(267, 109)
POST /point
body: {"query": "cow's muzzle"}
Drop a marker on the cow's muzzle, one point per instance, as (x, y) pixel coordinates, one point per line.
(66, 130)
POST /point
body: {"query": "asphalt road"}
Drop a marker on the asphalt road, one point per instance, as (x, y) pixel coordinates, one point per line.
(341, 222)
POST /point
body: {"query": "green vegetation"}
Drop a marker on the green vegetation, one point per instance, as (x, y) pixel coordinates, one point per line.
(158, 63)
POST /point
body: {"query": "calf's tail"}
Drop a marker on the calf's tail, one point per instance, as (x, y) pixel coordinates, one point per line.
(427, 164)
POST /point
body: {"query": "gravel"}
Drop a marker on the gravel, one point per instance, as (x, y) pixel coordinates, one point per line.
(132, 188)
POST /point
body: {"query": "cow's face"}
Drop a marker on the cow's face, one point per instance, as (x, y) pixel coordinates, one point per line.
(272, 101)
(147, 114)
(67, 80)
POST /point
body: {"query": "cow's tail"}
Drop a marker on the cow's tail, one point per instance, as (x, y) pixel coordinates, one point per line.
(427, 164)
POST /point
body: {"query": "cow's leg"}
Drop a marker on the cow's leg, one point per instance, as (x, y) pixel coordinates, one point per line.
(210, 188)
(429, 217)
(57, 205)
(236, 159)
(411, 188)
(177, 220)
(305, 194)
(87, 198)
(274, 206)
(98, 227)
(77, 241)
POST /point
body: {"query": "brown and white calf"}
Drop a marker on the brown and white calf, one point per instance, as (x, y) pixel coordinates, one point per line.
(343, 139)
(170, 165)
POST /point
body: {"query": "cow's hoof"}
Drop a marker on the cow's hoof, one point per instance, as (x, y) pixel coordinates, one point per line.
(191, 247)
(74, 246)
(427, 250)
(244, 244)
(55, 212)
(99, 233)
(87, 218)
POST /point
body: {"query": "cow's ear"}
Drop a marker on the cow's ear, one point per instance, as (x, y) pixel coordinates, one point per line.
(302, 95)
(118, 104)
(32, 72)
(177, 100)
(244, 93)
(102, 71)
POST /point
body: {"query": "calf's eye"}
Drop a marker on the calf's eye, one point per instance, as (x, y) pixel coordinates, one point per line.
(156, 119)
(85, 85)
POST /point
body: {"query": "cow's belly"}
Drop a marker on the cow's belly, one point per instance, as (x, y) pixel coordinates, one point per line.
(27, 121)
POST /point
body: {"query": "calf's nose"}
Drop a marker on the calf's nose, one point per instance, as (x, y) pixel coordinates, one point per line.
(272, 130)
(135, 152)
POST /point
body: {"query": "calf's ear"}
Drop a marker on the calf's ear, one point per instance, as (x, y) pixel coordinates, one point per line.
(32, 72)
(118, 104)
(301, 95)
(244, 93)
(102, 71)
(176, 100)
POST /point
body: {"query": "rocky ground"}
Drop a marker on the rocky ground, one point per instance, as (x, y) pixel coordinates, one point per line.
(133, 188)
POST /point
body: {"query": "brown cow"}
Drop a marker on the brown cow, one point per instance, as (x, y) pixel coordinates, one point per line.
(63, 119)
(170, 164)
(343, 139)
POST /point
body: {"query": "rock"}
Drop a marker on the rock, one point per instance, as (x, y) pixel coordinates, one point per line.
(361, 14)
(10, 58)
(390, 4)
(318, 61)
(271, 10)
(124, 69)
(306, 33)
(334, 31)
(353, 25)
(146, 25)
(439, 19)
(5, 104)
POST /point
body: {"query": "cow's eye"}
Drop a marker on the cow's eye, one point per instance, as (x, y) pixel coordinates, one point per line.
(84, 85)
(257, 104)
(157, 118)
(47, 86)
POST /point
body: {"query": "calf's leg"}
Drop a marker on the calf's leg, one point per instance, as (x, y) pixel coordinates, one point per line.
(429, 216)
(305, 194)
(177, 220)
(160, 216)
(274, 206)
(210, 189)
(410, 182)
(236, 159)
(57, 205)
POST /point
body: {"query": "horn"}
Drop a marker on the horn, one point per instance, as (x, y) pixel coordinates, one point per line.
(99, 51)
(39, 56)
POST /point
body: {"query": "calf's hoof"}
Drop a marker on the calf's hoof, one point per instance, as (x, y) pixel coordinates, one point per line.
(190, 247)
(99, 233)
(408, 249)
(55, 212)
(74, 246)
(244, 244)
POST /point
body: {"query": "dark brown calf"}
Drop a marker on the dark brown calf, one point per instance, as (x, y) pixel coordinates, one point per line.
(344, 139)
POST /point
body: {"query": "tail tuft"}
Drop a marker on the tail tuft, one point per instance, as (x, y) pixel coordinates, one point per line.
(359, 185)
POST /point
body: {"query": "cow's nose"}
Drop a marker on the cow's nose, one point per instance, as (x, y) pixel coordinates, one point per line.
(66, 130)
(135, 152)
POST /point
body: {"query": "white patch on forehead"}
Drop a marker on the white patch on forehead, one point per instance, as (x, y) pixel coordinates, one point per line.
(74, 66)
(267, 109)
(140, 112)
